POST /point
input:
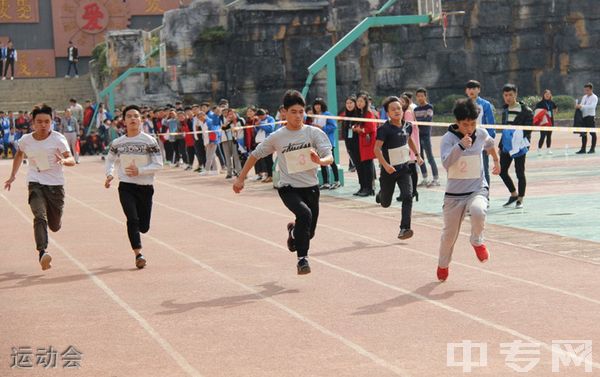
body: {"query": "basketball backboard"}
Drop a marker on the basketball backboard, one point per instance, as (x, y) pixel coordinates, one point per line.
(432, 8)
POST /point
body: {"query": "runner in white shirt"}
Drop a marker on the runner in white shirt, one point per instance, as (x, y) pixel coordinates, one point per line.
(139, 158)
(47, 152)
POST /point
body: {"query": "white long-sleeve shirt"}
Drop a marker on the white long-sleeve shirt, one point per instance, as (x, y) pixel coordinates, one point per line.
(203, 126)
(588, 105)
(196, 128)
(143, 150)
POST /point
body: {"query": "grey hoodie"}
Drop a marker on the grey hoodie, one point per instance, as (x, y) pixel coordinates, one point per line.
(464, 178)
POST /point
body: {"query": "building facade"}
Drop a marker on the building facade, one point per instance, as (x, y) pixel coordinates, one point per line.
(41, 29)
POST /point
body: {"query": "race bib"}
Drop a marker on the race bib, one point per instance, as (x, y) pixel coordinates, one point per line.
(350, 133)
(137, 160)
(399, 156)
(467, 167)
(39, 158)
(299, 161)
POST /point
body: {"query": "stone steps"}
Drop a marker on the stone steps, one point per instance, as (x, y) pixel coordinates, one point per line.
(23, 94)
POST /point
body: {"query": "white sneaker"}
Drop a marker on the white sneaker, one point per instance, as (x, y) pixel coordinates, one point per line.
(434, 182)
(549, 151)
(213, 172)
(76, 76)
(67, 76)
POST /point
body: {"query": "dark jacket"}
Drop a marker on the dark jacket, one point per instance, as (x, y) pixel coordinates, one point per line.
(75, 53)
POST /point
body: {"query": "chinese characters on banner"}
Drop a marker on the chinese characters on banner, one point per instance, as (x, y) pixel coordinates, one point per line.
(35, 63)
(85, 22)
(19, 11)
(153, 7)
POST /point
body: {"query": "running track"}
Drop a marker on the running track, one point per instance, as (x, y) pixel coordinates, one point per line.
(220, 295)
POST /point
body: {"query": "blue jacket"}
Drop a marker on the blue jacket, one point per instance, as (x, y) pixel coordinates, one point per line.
(5, 125)
(2, 53)
(214, 118)
(212, 126)
(488, 115)
(512, 139)
(267, 125)
(329, 128)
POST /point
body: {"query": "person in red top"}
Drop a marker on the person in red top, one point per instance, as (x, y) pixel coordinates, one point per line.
(88, 113)
(249, 133)
(367, 133)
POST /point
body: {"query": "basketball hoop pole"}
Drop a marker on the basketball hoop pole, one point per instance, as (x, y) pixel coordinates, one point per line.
(427, 15)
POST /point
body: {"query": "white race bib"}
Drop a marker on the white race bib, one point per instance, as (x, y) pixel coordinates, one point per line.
(261, 135)
(39, 158)
(467, 167)
(399, 156)
(137, 160)
(350, 133)
(299, 161)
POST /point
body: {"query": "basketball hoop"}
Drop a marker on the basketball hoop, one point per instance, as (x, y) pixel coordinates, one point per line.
(444, 21)
(433, 8)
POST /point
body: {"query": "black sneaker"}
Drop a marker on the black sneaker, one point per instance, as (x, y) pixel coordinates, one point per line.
(140, 261)
(511, 200)
(378, 198)
(290, 241)
(303, 267)
(405, 234)
(45, 260)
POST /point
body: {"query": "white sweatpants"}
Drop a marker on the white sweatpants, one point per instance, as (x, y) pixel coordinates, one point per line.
(455, 209)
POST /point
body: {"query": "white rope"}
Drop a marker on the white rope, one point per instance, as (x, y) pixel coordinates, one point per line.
(446, 125)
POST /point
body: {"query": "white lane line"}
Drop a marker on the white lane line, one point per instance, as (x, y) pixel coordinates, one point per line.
(417, 296)
(415, 251)
(179, 359)
(467, 235)
(323, 330)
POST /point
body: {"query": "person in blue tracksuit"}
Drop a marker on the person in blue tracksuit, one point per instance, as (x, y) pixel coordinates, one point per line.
(263, 130)
(486, 116)
(328, 126)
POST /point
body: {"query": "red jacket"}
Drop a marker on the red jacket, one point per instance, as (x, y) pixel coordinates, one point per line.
(189, 138)
(88, 113)
(366, 140)
(249, 134)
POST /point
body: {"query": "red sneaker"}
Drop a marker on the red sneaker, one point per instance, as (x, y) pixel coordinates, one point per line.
(442, 274)
(482, 253)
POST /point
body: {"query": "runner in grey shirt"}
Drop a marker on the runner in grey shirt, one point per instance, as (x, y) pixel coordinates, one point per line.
(301, 150)
(467, 189)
